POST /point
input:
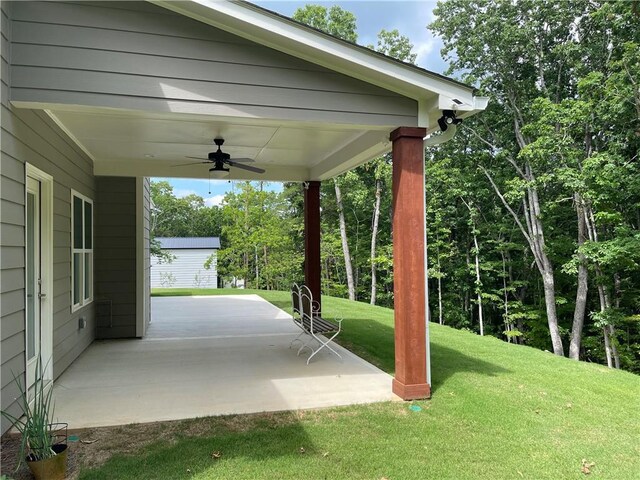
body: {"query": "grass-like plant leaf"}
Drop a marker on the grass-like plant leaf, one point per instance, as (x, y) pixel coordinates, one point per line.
(34, 425)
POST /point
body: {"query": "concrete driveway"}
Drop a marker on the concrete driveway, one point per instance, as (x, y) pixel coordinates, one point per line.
(210, 356)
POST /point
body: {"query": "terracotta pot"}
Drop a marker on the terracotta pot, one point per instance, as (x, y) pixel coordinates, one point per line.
(54, 468)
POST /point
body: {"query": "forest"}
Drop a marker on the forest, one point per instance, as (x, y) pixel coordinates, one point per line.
(533, 208)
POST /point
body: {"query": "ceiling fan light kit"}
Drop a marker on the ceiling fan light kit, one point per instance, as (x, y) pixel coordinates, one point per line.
(218, 174)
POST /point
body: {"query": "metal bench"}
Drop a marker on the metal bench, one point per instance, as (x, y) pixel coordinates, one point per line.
(315, 328)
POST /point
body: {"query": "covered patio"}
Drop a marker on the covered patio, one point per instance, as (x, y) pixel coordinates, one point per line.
(210, 356)
(104, 95)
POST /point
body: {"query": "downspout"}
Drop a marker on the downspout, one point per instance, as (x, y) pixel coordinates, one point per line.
(432, 141)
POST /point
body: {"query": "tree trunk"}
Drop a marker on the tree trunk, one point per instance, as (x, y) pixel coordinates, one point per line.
(374, 236)
(508, 325)
(478, 284)
(608, 331)
(583, 286)
(552, 317)
(345, 245)
(440, 319)
(534, 234)
(614, 347)
(607, 346)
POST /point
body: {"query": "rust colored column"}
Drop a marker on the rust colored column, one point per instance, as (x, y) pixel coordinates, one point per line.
(409, 263)
(312, 239)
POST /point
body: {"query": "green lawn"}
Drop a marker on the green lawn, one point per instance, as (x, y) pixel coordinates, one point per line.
(498, 411)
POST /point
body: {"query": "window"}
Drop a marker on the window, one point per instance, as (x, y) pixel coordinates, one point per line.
(81, 250)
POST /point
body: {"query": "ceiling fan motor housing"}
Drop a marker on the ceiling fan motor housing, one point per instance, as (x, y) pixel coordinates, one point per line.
(219, 156)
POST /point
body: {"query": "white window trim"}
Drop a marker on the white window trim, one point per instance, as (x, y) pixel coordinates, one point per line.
(83, 302)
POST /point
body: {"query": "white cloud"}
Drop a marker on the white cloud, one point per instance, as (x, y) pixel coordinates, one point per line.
(424, 51)
(182, 192)
(216, 201)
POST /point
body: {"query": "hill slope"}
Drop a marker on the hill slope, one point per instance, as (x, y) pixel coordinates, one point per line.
(498, 411)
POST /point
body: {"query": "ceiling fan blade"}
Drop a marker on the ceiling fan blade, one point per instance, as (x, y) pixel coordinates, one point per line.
(242, 160)
(191, 163)
(198, 158)
(246, 167)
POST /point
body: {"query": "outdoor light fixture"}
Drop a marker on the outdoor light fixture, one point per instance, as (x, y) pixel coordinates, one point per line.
(448, 118)
(218, 173)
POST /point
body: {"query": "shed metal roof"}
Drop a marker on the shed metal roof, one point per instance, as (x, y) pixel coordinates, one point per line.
(189, 242)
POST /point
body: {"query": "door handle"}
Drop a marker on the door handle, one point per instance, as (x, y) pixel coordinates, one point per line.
(41, 295)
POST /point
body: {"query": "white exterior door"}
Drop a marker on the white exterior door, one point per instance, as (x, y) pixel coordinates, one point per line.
(38, 268)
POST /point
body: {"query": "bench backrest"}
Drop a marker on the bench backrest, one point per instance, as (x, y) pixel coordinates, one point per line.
(306, 302)
(295, 299)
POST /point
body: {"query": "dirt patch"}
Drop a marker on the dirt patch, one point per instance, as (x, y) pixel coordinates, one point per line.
(95, 446)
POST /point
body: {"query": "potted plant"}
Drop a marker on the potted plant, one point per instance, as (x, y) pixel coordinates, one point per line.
(43, 444)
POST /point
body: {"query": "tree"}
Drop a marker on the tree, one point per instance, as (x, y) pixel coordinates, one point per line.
(261, 244)
(510, 50)
(394, 45)
(334, 21)
(342, 24)
(559, 132)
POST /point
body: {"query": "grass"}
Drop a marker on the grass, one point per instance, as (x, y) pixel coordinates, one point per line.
(498, 411)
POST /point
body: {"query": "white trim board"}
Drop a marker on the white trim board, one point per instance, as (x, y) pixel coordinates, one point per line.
(46, 265)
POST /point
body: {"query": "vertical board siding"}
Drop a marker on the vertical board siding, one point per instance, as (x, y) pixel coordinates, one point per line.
(147, 251)
(31, 136)
(186, 270)
(136, 55)
(115, 254)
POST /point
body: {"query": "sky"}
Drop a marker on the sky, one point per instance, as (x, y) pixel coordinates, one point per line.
(409, 17)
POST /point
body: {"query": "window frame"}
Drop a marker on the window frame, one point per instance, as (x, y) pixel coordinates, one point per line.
(83, 302)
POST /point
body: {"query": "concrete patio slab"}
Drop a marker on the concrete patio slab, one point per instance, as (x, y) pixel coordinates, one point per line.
(210, 356)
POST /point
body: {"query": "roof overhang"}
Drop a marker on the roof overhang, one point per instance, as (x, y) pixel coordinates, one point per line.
(147, 128)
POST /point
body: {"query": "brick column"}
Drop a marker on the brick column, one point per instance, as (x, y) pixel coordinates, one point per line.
(409, 263)
(312, 239)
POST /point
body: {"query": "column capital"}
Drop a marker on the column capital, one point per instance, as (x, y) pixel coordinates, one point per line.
(411, 132)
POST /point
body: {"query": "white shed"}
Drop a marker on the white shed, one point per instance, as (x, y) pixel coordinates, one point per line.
(187, 269)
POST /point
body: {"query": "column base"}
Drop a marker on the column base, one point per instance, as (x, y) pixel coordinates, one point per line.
(420, 391)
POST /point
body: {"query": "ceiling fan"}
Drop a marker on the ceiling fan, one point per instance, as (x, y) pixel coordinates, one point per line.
(219, 159)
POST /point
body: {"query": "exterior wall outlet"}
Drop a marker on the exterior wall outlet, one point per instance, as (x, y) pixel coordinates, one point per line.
(82, 323)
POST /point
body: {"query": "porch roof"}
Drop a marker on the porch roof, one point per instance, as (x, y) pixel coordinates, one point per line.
(140, 86)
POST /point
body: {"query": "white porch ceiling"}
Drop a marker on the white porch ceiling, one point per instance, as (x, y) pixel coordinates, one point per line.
(128, 143)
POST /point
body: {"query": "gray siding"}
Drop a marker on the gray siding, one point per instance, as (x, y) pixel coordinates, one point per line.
(144, 251)
(115, 253)
(139, 56)
(30, 136)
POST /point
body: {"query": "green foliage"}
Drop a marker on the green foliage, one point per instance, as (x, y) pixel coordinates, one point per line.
(334, 20)
(261, 245)
(562, 125)
(181, 217)
(156, 250)
(34, 426)
(395, 45)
